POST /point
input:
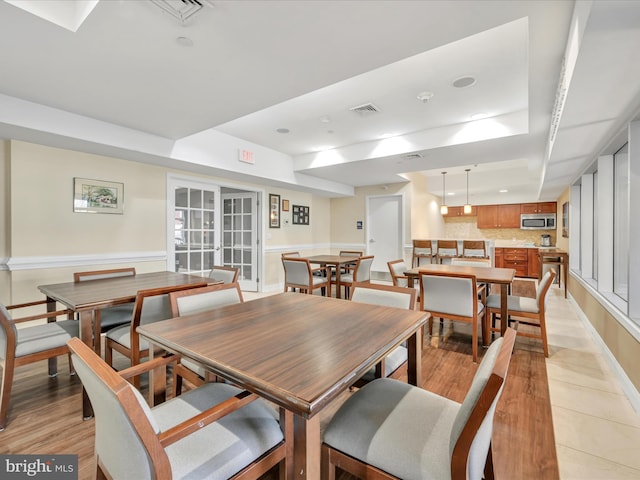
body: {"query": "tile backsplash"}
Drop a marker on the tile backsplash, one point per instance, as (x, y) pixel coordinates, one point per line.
(467, 228)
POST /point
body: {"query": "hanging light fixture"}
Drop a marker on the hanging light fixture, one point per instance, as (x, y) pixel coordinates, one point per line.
(443, 208)
(467, 206)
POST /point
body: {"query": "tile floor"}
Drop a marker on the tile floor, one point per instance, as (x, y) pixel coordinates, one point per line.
(596, 429)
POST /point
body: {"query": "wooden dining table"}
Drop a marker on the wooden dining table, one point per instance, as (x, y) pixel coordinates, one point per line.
(298, 351)
(336, 261)
(498, 276)
(88, 296)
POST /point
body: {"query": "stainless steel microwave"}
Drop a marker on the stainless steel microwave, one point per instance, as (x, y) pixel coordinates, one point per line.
(538, 221)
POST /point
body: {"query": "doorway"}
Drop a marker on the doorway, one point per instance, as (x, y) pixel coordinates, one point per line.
(385, 227)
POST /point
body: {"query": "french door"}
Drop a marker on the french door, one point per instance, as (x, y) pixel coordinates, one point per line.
(211, 225)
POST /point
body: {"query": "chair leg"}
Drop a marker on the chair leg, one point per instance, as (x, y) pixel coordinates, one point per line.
(474, 340)
(72, 370)
(543, 333)
(177, 383)
(328, 468)
(488, 466)
(5, 393)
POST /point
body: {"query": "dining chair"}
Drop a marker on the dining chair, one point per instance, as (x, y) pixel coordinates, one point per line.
(386, 296)
(151, 305)
(446, 249)
(392, 430)
(528, 311)
(109, 317)
(298, 274)
(454, 296)
(397, 269)
(422, 249)
(317, 271)
(224, 274)
(214, 431)
(29, 344)
(474, 249)
(360, 273)
(196, 300)
(349, 253)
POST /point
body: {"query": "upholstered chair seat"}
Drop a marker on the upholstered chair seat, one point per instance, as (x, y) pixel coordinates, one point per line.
(46, 336)
(514, 303)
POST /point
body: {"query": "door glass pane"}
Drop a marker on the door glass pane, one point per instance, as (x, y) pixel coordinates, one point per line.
(195, 197)
(182, 197)
(209, 200)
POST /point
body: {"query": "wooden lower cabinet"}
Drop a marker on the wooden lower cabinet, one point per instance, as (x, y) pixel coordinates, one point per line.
(534, 263)
(497, 258)
(523, 260)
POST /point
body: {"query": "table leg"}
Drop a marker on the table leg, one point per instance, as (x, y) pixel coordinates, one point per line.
(338, 294)
(86, 335)
(157, 381)
(306, 448)
(53, 362)
(414, 357)
(504, 311)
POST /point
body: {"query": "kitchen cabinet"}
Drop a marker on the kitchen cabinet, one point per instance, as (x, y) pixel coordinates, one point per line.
(459, 212)
(533, 266)
(499, 216)
(516, 258)
(541, 207)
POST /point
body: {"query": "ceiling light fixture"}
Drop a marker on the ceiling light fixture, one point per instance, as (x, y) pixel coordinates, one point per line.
(424, 97)
(479, 116)
(443, 208)
(464, 82)
(467, 206)
(283, 130)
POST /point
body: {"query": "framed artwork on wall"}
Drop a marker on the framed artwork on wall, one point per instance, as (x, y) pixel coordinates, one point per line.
(300, 215)
(274, 210)
(285, 205)
(97, 196)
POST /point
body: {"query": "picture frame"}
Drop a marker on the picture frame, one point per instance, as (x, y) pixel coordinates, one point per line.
(285, 205)
(300, 215)
(565, 219)
(274, 210)
(97, 196)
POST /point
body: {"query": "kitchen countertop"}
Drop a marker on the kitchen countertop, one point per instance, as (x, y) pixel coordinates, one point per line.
(511, 244)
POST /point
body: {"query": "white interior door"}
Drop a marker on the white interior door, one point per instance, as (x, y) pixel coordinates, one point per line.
(385, 224)
(239, 236)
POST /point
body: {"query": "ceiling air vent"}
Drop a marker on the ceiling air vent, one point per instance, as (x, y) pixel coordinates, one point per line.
(365, 109)
(182, 9)
(412, 156)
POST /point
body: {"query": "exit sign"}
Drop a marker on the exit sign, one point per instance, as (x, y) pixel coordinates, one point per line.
(246, 156)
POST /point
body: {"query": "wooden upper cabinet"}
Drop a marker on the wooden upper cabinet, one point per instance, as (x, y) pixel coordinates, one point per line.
(459, 212)
(541, 207)
(509, 216)
(487, 216)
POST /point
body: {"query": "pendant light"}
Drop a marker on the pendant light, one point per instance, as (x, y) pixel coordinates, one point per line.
(443, 208)
(467, 206)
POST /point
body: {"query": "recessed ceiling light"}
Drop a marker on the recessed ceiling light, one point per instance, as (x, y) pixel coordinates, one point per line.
(504, 190)
(325, 119)
(464, 82)
(283, 130)
(451, 193)
(184, 41)
(479, 116)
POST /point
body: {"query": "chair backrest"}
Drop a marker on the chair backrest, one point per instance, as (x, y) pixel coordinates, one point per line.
(8, 334)
(472, 262)
(449, 294)
(362, 272)
(543, 288)
(447, 247)
(102, 274)
(291, 254)
(126, 442)
(397, 269)
(297, 271)
(152, 305)
(225, 274)
(195, 300)
(422, 247)
(384, 295)
(474, 248)
(472, 428)
(350, 253)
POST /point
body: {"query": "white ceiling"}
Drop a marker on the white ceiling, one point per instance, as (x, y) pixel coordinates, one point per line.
(258, 66)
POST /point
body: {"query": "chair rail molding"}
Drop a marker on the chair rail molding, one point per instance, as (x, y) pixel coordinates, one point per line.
(61, 261)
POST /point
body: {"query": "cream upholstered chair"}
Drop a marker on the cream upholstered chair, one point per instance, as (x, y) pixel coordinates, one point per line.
(196, 300)
(109, 317)
(474, 249)
(386, 296)
(299, 274)
(389, 429)
(214, 431)
(472, 262)
(446, 249)
(151, 305)
(361, 272)
(224, 274)
(528, 311)
(29, 344)
(454, 296)
(397, 269)
(422, 249)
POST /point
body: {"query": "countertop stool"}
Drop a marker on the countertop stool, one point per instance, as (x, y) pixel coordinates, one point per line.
(557, 257)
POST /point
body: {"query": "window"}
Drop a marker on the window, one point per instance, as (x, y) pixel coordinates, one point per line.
(595, 226)
(621, 222)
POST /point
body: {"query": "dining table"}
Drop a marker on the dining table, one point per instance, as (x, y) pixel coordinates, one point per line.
(300, 352)
(337, 261)
(86, 297)
(491, 275)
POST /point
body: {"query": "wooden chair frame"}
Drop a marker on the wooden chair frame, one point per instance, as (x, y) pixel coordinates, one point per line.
(355, 269)
(474, 245)
(540, 317)
(446, 245)
(395, 278)
(155, 444)
(459, 460)
(235, 270)
(309, 287)
(135, 354)
(415, 257)
(11, 362)
(475, 322)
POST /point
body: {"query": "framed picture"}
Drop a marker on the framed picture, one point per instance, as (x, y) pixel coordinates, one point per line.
(97, 196)
(300, 215)
(285, 205)
(274, 210)
(565, 219)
